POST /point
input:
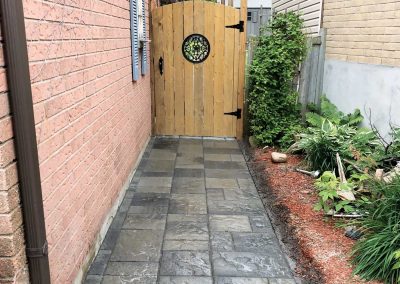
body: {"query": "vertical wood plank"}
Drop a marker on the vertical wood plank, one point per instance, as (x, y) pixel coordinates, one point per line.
(209, 32)
(242, 69)
(168, 70)
(219, 70)
(228, 71)
(188, 69)
(198, 83)
(235, 71)
(179, 77)
(158, 78)
(153, 101)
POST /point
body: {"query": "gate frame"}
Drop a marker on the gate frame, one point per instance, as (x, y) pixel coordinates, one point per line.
(241, 68)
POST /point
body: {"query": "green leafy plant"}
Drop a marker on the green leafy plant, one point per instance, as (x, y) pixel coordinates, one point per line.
(321, 145)
(273, 106)
(328, 185)
(376, 256)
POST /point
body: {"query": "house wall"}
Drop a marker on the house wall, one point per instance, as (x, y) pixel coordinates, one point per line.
(92, 121)
(12, 250)
(310, 11)
(362, 67)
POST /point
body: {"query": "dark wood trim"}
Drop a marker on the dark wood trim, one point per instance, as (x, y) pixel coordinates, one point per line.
(20, 93)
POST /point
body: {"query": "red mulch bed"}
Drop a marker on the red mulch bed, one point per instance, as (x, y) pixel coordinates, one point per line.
(321, 244)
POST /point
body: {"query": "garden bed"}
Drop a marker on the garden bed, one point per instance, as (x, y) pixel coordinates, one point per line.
(314, 242)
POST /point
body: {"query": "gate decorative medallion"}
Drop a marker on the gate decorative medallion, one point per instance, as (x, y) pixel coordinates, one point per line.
(198, 56)
(196, 48)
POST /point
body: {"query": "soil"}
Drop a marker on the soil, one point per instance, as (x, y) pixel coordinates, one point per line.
(319, 248)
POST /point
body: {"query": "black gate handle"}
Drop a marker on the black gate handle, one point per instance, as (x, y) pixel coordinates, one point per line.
(161, 65)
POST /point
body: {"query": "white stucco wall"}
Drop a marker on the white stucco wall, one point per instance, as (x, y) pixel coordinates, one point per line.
(365, 86)
(255, 3)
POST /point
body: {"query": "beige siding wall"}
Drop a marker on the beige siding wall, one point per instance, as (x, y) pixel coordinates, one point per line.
(310, 10)
(363, 31)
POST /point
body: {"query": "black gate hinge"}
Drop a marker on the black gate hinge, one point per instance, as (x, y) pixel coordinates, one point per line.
(37, 252)
(237, 113)
(239, 26)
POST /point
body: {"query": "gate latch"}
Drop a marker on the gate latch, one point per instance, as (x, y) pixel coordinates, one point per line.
(239, 26)
(237, 113)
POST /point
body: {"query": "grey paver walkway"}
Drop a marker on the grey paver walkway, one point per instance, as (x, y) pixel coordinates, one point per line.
(191, 215)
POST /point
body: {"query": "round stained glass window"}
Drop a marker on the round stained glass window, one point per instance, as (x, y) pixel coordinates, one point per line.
(196, 48)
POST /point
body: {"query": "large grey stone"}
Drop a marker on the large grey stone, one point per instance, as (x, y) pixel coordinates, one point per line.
(132, 269)
(240, 280)
(189, 173)
(221, 241)
(221, 183)
(145, 221)
(246, 183)
(236, 207)
(185, 280)
(185, 263)
(93, 279)
(162, 154)
(145, 203)
(226, 144)
(260, 223)
(138, 245)
(153, 189)
(188, 185)
(129, 279)
(155, 182)
(181, 227)
(188, 204)
(225, 165)
(255, 242)
(159, 166)
(217, 157)
(185, 245)
(190, 161)
(240, 194)
(227, 174)
(249, 264)
(229, 223)
(208, 150)
(215, 194)
(282, 281)
(100, 263)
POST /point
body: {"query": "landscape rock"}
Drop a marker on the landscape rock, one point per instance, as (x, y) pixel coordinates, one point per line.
(278, 157)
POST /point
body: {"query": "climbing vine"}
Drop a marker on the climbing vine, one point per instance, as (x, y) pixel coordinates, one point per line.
(273, 108)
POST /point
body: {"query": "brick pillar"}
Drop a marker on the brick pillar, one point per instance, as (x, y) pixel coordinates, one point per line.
(13, 265)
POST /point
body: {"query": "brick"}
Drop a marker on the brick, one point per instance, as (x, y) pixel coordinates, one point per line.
(13, 267)
(10, 245)
(7, 153)
(9, 222)
(363, 31)
(9, 200)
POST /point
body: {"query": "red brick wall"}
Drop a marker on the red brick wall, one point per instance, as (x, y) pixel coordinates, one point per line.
(91, 120)
(12, 250)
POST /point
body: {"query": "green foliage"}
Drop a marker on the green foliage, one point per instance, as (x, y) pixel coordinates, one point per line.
(328, 185)
(377, 255)
(330, 111)
(321, 145)
(273, 106)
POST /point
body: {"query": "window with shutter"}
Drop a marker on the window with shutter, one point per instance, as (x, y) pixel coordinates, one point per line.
(138, 37)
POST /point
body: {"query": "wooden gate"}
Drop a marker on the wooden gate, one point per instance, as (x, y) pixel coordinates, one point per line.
(198, 63)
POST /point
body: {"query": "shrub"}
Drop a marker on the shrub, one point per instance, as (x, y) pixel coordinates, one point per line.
(272, 101)
(376, 256)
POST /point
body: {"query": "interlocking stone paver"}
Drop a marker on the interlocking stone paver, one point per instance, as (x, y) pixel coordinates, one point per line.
(240, 280)
(191, 215)
(183, 227)
(221, 182)
(221, 241)
(185, 280)
(188, 204)
(185, 245)
(138, 245)
(221, 223)
(250, 264)
(188, 185)
(100, 262)
(236, 207)
(145, 221)
(185, 263)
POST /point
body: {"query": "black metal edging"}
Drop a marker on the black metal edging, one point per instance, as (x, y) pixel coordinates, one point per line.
(20, 94)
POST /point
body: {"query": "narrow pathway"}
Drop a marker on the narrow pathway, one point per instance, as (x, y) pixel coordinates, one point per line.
(191, 215)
